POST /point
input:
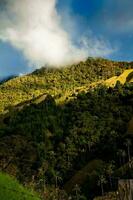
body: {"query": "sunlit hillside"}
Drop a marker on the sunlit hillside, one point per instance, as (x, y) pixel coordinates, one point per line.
(125, 77)
(59, 82)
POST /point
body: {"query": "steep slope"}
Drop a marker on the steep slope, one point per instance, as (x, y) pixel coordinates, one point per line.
(48, 140)
(11, 189)
(58, 81)
(125, 77)
(53, 145)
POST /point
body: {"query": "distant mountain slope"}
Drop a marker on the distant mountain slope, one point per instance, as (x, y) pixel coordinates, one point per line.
(3, 80)
(58, 81)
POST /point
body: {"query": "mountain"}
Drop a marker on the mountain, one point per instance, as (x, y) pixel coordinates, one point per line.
(5, 79)
(68, 129)
(58, 81)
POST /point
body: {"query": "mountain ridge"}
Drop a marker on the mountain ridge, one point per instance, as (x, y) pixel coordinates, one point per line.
(55, 81)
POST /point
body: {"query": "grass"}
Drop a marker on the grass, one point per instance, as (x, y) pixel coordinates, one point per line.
(109, 196)
(10, 189)
(123, 77)
(126, 76)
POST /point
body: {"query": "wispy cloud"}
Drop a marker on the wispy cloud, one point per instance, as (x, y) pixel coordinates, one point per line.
(35, 27)
(119, 15)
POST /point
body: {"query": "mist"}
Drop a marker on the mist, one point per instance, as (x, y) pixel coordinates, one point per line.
(36, 28)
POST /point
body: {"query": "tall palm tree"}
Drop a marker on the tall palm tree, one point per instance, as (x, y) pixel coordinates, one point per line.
(101, 182)
(110, 170)
(57, 178)
(119, 155)
(77, 192)
(90, 144)
(128, 144)
(123, 154)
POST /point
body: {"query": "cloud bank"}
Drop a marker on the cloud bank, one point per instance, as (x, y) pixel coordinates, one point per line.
(36, 29)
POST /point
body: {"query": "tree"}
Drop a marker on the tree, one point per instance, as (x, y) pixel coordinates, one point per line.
(57, 178)
(90, 144)
(101, 182)
(77, 193)
(128, 144)
(121, 154)
(110, 170)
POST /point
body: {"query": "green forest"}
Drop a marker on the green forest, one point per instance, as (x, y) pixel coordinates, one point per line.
(65, 134)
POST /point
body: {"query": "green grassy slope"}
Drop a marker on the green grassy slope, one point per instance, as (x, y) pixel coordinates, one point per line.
(10, 189)
(126, 76)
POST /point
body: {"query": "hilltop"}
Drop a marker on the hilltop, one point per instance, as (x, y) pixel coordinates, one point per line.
(58, 81)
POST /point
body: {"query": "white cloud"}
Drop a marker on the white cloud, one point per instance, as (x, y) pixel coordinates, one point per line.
(35, 28)
(97, 46)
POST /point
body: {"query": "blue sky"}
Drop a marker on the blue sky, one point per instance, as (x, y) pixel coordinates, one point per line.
(111, 20)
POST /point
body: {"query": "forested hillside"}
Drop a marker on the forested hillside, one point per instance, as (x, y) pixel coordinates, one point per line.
(73, 147)
(58, 81)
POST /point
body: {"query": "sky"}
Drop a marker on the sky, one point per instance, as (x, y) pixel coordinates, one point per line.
(35, 33)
